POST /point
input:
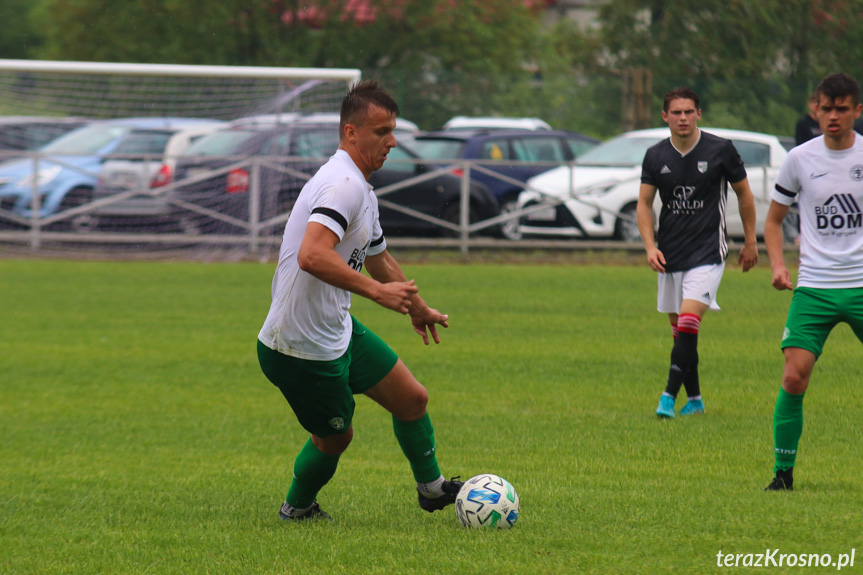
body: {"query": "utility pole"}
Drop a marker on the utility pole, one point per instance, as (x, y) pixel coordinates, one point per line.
(637, 90)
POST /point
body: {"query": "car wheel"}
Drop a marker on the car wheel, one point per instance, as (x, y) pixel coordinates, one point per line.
(452, 214)
(626, 226)
(83, 223)
(74, 198)
(510, 229)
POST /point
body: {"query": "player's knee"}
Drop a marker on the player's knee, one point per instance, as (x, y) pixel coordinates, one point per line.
(415, 403)
(794, 382)
(334, 444)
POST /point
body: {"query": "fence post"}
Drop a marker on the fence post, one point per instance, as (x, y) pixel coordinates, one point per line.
(464, 211)
(36, 208)
(255, 206)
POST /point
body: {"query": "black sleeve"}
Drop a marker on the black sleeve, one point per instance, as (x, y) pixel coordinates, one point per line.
(646, 171)
(735, 171)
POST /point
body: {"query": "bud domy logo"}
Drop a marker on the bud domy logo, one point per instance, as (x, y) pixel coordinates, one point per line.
(839, 212)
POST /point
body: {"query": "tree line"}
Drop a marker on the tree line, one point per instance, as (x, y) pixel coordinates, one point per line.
(752, 61)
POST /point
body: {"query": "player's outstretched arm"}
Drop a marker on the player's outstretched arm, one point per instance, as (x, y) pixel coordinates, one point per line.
(746, 203)
(317, 256)
(646, 218)
(384, 268)
(774, 241)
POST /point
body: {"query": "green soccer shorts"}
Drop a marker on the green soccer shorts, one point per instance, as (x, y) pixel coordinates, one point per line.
(321, 392)
(814, 312)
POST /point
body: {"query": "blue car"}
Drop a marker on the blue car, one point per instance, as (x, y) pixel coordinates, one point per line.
(68, 168)
(513, 155)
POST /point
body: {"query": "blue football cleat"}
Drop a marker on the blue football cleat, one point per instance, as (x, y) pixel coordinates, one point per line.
(665, 408)
(693, 407)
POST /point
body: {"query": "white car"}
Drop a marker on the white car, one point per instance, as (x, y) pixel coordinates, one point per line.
(495, 123)
(597, 197)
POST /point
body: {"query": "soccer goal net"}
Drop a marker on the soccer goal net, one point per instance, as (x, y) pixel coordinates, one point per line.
(117, 178)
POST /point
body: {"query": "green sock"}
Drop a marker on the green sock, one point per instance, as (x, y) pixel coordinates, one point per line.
(787, 428)
(416, 439)
(312, 470)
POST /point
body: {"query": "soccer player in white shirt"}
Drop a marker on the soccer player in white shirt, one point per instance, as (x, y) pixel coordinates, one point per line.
(825, 177)
(313, 349)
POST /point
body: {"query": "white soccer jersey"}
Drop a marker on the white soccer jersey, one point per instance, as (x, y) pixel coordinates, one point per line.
(309, 318)
(828, 187)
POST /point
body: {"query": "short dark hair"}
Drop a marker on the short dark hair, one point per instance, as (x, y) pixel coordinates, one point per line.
(838, 87)
(680, 94)
(360, 97)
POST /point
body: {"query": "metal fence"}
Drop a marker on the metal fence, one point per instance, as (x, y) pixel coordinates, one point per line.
(250, 222)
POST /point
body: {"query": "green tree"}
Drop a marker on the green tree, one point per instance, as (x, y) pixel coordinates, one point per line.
(441, 57)
(752, 61)
(228, 32)
(20, 38)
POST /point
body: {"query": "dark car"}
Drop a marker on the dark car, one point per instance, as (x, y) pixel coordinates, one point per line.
(439, 196)
(220, 167)
(508, 153)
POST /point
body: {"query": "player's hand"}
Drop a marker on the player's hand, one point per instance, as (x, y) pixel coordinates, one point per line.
(425, 320)
(656, 260)
(748, 256)
(396, 296)
(782, 279)
(430, 321)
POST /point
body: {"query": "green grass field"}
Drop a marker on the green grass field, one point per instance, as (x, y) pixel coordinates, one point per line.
(137, 434)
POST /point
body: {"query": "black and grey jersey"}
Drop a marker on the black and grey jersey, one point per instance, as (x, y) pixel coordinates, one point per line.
(693, 188)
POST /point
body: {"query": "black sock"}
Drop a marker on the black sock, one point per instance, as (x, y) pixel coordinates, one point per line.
(690, 380)
(684, 357)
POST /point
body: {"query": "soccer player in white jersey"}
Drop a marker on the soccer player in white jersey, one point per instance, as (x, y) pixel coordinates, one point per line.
(825, 177)
(691, 170)
(313, 349)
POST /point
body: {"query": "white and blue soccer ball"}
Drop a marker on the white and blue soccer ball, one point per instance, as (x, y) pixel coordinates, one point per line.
(487, 501)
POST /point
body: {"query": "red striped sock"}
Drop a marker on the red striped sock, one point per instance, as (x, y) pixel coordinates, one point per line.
(688, 323)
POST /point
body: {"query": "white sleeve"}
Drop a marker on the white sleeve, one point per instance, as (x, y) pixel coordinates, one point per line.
(788, 181)
(335, 206)
(379, 242)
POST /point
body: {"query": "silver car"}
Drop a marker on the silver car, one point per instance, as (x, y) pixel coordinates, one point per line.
(144, 161)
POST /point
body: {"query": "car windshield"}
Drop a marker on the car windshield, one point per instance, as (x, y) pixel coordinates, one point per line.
(85, 141)
(224, 143)
(315, 142)
(29, 136)
(438, 149)
(143, 142)
(620, 151)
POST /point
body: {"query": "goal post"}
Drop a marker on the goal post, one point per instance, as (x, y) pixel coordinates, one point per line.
(110, 90)
(36, 214)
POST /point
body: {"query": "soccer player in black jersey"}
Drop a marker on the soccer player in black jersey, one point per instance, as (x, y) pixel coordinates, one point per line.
(690, 170)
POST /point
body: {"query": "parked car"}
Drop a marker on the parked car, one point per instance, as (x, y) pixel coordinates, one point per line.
(513, 156)
(597, 197)
(219, 167)
(21, 133)
(145, 159)
(439, 196)
(67, 168)
(494, 123)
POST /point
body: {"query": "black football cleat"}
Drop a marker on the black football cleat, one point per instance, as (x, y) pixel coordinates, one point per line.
(450, 490)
